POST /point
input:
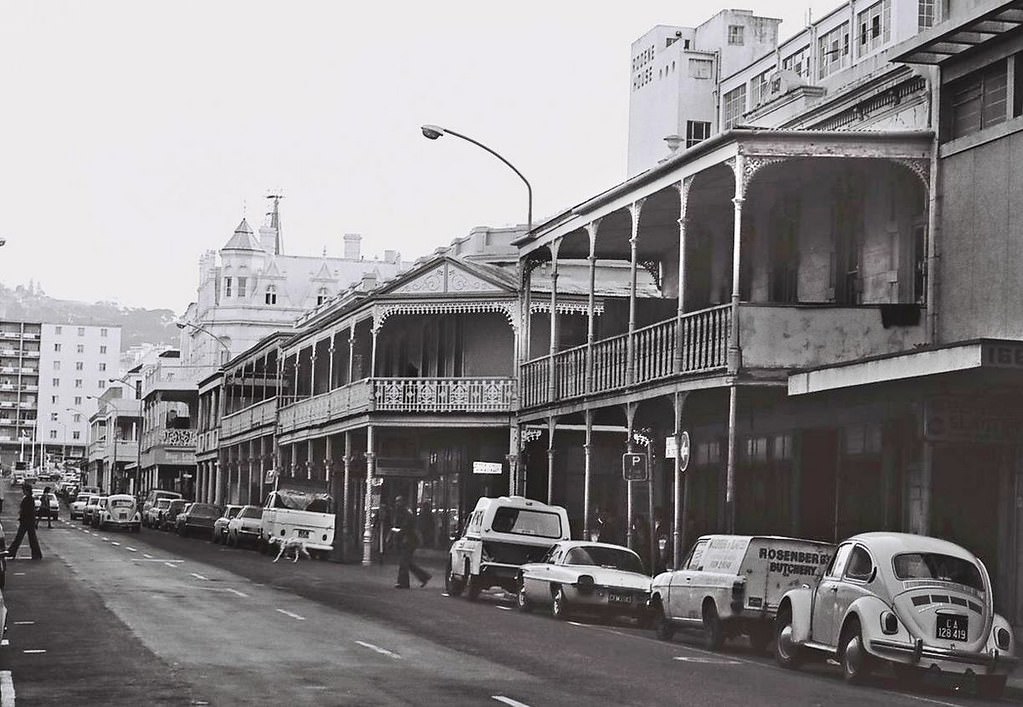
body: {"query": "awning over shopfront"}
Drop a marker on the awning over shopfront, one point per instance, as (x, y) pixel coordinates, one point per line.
(982, 25)
(996, 359)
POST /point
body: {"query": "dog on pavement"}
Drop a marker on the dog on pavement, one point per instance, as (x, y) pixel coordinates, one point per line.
(290, 546)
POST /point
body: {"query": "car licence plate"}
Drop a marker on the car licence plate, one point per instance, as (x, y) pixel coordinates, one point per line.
(952, 627)
(303, 533)
(619, 598)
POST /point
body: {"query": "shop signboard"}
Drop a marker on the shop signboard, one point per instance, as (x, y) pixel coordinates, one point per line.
(957, 419)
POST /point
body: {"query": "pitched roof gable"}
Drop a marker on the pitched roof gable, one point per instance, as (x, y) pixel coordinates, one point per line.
(447, 276)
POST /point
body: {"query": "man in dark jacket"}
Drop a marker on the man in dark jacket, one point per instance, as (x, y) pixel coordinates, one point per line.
(404, 533)
(26, 524)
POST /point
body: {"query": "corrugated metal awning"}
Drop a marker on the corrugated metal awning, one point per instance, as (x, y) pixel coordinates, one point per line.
(951, 39)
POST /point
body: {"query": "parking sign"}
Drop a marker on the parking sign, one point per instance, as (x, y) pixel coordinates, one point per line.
(634, 467)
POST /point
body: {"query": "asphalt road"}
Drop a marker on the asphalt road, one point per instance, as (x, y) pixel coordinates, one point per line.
(109, 618)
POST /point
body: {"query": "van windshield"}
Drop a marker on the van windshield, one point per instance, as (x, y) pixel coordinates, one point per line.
(523, 521)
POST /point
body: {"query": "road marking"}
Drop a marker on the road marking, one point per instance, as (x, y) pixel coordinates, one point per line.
(199, 576)
(5, 642)
(228, 589)
(130, 549)
(106, 540)
(19, 574)
(35, 650)
(159, 559)
(113, 543)
(377, 649)
(576, 623)
(505, 608)
(170, 563)
(508, 701)
(928, 700)
(706, 661)
(23, 623)
(146, 554)
(294, 616)
(6, 689)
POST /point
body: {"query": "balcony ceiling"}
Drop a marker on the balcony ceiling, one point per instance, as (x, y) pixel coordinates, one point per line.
(988, 23)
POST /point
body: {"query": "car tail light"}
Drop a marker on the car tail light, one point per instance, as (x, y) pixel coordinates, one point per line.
(738, 592)
(1002, 638)
(585, 584)
(889, 624)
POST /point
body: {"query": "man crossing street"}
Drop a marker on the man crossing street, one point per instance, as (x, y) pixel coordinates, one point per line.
(26, 524)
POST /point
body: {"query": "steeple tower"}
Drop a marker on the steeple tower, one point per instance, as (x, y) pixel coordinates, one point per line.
(274, 222)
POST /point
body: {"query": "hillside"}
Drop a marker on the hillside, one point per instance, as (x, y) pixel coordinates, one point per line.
(138, 326)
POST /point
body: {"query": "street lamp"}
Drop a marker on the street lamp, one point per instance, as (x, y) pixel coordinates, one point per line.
(432, 132)
(181, 324)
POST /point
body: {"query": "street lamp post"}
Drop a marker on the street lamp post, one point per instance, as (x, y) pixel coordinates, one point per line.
(432, 132)
(181, 324)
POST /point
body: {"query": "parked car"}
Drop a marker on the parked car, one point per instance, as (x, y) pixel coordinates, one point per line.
(78, 505)
(501, 535)
(731, 585)
(90, 509)
(197, 518)
(298, 513)
(121, 511)
(168, 519)
(245, 527)
(97, 512)
(575, 575)
(219, 533)
(3, 560)
(918, 603)
(152, 517)
(53, 507)
(150, 501)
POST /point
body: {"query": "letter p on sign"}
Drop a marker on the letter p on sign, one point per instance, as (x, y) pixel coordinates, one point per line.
(634, 467)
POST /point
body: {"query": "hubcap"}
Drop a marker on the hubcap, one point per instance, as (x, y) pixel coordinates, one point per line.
(785, 641)
(853, 656)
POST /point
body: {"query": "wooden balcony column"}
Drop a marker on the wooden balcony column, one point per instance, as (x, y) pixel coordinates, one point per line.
(367, 527)
(552, 386)
(312, 369)
(375, 330)
(330, 362)
(297, 361)
(683, 194)
(514, 435)
(734, 353)
(551, 423)
(345, 490)
(630, 343)
(630, 416)
(327, 456)
(591, 305)
(587, 469)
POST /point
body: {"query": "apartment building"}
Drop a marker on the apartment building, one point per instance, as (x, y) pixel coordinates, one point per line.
(20, 344)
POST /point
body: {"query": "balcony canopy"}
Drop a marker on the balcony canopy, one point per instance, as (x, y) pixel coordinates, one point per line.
(953, 39)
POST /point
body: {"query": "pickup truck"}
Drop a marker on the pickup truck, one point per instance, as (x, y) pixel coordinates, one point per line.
(297, 513)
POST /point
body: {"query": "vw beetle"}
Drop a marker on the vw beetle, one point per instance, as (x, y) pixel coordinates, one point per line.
(920, 604)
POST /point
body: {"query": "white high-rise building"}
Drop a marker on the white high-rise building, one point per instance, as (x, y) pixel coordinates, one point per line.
(76, 363)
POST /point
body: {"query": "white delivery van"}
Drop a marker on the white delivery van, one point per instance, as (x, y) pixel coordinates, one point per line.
(731, 585)
(298, 513)
(501, 535)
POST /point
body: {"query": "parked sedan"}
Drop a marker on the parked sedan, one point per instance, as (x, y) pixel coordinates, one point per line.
(169, 517)
(78, 505)
(97, 510)
(197, 518)
(120, 511)
(152, 517)
(53, 507)
(220, 524)
(245, 527)
(90, 509)
(578, 575)
(917, 603)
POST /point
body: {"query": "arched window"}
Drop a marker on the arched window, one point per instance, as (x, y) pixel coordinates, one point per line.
(271, 294)
(322, 296)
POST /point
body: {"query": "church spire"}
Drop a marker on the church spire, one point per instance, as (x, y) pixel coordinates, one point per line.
(274, 217)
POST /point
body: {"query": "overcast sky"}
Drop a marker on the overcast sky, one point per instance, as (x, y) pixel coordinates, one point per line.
(135, 135)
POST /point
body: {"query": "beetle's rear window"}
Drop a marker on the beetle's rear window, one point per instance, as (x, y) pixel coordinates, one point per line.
(944, 568)
(521, 521)
(121, 503)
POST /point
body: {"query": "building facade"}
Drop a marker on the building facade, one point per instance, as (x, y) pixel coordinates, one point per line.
(20, 344)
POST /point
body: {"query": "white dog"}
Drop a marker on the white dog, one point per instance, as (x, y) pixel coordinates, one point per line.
(295, 546)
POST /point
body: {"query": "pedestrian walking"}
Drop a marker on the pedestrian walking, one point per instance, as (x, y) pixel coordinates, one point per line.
(405, 536)
(45, 508)
(26, 524)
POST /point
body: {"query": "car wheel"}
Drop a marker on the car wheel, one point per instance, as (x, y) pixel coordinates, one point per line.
(559, 605)
(991, 687)
(713, 632)
(521, 600)
(760, 637)
(663, 627)
(855, 660)
(472, 584)
(452, 585)
(786, 653)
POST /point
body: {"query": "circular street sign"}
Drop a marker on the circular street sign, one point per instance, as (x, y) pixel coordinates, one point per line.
(683, 450)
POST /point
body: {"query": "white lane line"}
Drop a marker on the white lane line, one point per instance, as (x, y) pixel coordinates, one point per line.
(160, 559)
(106, 540)
(377, 649)
(929, 700)
(5, 642)
(505, 608)
(6, 689)
(170, 564)
(294, 616)
(228, 589)
(35, 650)
(19, 574)
(508, 701)
(147, 555)
(23, 623)
(706, 661)
(113, 543)
(198, 576)
(130, 549)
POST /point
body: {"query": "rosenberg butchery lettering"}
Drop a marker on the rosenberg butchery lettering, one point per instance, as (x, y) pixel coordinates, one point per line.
(794, 562)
